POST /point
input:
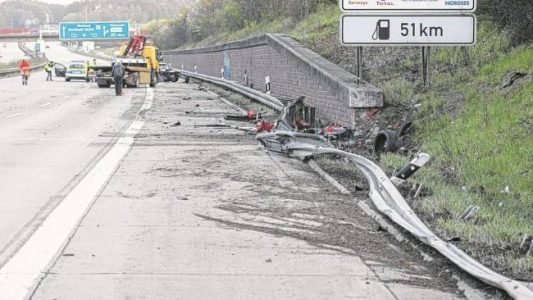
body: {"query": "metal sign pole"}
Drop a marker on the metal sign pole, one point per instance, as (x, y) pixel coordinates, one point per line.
(425, 66)
(360, 63)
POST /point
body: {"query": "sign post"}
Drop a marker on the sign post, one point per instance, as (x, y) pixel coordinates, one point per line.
(360, 62)
(422, 23)
(83, 31)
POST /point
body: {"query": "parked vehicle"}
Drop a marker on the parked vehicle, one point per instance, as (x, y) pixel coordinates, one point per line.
(141, 63)
(60, 70)
(77, 70)
(167, 73)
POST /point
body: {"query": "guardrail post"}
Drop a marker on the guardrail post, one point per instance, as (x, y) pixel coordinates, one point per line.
(267, 85)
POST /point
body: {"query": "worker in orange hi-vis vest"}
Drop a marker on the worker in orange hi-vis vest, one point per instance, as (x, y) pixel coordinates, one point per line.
(25, 69)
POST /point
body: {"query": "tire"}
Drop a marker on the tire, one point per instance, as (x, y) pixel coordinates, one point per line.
(137, 81)
(103, 85)
(67, 79)
(386, 141)
(175, 77)
(153, 79)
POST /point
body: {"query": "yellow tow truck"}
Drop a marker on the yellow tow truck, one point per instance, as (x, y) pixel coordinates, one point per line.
(140, 59)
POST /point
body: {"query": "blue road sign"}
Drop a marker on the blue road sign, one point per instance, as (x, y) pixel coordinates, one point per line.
(80, 31)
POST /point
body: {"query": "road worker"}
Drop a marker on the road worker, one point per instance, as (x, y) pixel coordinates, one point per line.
(118, 74)
(49, 67)
(90, 72)
(25, 68)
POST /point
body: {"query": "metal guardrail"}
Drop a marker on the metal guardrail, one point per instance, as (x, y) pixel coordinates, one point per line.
(15, 71)
(390, 202)
(241, 89)
(26, 50)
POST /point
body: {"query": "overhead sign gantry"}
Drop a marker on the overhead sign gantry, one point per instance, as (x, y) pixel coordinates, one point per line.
(83, 31)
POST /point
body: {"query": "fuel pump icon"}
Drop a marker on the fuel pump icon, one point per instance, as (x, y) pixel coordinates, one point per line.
(382, 31)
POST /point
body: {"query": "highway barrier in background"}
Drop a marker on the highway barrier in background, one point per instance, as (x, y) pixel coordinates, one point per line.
(15, 71)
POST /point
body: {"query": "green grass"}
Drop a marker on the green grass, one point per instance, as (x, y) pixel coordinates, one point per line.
(479, 153)
(399, 91)
(253, 29)
(314, 28)
(319, 25)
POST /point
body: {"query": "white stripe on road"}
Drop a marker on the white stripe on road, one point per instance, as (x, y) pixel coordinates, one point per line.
(23, 271)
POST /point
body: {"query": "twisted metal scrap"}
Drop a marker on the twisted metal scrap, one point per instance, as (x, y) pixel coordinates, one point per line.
(390, 202)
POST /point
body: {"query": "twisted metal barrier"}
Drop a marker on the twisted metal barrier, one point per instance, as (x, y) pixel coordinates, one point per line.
(384, 194)
(390, 202)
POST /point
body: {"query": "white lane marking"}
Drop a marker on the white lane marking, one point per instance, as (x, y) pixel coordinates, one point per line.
(23, 271)
(13, 115)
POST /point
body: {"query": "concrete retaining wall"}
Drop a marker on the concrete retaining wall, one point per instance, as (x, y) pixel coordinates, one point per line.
(294, 71)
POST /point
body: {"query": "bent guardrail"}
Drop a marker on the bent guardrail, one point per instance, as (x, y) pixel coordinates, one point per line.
(390, 202)
(243, 90)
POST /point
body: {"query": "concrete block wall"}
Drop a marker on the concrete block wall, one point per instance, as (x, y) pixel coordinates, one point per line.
(294, 71)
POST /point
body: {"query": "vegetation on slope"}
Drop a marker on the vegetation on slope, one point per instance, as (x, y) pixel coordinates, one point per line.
(29, 14)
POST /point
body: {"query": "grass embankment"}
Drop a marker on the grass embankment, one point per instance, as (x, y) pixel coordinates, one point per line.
(482, 157)
(478, 133)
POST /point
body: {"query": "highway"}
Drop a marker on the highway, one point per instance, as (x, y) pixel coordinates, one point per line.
(51, 132)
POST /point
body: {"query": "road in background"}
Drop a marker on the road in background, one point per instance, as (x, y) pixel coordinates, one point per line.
(10, 52)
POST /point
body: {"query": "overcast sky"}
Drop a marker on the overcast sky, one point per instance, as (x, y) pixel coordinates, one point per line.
(65, 2)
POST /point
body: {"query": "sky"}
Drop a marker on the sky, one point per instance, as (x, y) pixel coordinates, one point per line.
(64, 2)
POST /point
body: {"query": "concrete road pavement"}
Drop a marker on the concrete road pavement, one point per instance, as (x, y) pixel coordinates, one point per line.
(51, 134)
(200, 212)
